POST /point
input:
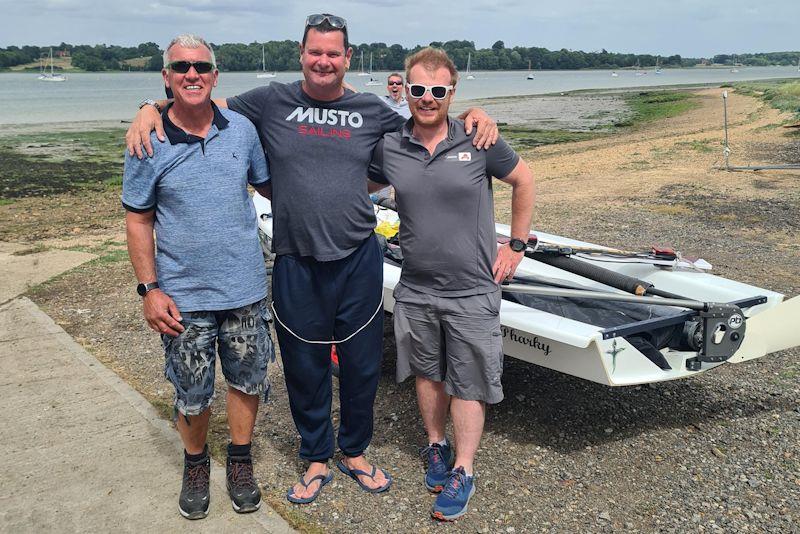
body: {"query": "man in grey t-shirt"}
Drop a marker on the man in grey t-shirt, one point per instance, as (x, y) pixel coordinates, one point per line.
(328, 277)
(446, 314)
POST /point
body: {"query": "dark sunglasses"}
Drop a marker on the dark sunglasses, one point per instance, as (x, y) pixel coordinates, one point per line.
(317, 19)
(395, 83)
(182, 67)
(417, 90)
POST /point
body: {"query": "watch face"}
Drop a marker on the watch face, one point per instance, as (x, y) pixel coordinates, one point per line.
(141, 289)
(517, 245)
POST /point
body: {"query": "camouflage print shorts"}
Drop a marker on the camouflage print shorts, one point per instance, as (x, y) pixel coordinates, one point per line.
(245, 348)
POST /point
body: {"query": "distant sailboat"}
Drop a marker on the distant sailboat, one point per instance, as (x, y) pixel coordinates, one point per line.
(361, 71)
(657, 68)
(614, 74)
(51, 76)
(264, 73)
(798, 64)
(639, 71)
(530, 72)
(372, 81)
(470, 76)
(735, 64)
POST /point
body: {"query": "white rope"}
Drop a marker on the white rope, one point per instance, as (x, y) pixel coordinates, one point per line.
(326, 342)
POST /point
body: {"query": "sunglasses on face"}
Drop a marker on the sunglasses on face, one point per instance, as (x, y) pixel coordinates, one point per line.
(182, 67)
(395, 83)
(317, 19)
(439, 92)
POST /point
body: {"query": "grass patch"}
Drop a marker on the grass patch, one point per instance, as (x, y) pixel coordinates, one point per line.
(650, 106)
(522, 138)
(780, 94)
(698, 145)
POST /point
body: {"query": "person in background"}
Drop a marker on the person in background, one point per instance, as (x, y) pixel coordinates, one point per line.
(395, 98)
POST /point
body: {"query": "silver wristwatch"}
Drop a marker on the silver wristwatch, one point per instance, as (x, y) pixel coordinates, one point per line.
(150, 102)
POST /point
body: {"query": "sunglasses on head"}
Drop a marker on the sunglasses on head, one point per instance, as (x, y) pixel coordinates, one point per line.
(333, 20)
(182, 67)
(417, 90)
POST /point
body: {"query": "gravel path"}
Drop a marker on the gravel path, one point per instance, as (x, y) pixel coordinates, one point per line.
(718, 452)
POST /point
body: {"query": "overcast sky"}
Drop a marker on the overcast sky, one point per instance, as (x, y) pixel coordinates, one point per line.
(692, 28)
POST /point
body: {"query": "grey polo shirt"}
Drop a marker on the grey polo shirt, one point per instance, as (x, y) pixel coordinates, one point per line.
(446, 208)
(208, 257)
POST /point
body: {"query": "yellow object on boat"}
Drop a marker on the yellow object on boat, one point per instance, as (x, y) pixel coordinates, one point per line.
(387, 229)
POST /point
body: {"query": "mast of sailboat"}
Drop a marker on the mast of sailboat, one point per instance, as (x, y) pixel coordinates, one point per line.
(263, 59)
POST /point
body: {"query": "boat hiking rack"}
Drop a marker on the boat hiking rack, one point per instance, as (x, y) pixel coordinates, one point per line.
(726, 150)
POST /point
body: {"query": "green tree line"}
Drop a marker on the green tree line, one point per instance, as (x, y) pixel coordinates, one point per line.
(283, 56)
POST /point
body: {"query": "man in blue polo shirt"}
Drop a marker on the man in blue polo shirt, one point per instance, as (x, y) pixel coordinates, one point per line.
(447, 302)
(205, 289)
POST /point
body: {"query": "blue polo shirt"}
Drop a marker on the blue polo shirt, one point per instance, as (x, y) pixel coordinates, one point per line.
(208, 256)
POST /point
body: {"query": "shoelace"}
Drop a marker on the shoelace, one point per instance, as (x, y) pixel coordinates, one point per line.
(436, 449)
(242, 474)
(197, 476)
(456, 482)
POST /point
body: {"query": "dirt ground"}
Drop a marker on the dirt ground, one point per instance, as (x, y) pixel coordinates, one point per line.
(716, 452)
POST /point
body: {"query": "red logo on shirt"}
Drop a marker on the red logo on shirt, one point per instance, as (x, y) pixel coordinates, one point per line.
(320, 131)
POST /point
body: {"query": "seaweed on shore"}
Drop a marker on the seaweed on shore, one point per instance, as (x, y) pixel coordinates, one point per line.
(31, 176)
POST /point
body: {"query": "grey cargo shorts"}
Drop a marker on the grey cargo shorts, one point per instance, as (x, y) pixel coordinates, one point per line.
(455, 340)
(245, 348)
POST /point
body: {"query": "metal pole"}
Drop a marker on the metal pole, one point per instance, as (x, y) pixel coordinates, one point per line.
(726, 151)
(602, 295)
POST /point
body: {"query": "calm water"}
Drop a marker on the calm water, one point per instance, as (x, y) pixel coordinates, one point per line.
(114, 96)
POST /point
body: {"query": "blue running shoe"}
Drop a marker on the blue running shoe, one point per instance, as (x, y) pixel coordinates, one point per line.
(452, 502)
(440, 460)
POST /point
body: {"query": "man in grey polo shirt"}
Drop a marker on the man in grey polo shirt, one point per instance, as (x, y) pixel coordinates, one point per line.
(446, 316)
(204, 291)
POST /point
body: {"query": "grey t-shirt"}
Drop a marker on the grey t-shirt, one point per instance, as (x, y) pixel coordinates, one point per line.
(446, 208)
(208, 254)
(318, 154)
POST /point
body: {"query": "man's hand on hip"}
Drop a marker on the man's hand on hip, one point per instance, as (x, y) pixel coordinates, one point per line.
(162, 314)
(147, 120)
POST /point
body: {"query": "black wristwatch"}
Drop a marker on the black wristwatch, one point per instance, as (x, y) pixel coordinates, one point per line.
(517, 245)
(142, 289)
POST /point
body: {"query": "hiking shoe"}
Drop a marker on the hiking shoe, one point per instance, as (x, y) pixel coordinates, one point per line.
(242, 485)
(453, 500)
(440, 460)
(193, 502)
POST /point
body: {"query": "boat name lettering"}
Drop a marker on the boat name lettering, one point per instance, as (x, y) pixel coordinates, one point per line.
(522, 339)
(333, 117)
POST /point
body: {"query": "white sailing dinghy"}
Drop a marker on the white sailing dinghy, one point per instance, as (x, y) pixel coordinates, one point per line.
(565, 310)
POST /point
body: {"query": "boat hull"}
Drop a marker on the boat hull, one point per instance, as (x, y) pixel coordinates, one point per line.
(586, 350)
